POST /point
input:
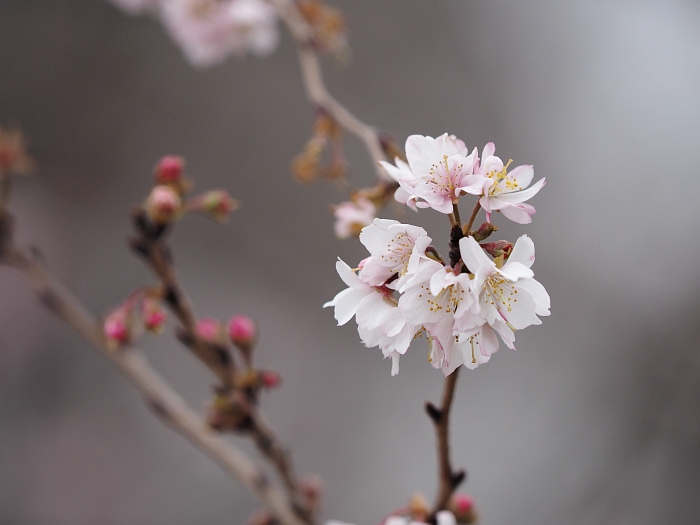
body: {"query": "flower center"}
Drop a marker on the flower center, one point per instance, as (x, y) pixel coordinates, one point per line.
(501, 176)
(500, 292)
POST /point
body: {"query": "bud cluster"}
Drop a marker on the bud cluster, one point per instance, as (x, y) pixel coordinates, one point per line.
(168, 200)
(142, 310)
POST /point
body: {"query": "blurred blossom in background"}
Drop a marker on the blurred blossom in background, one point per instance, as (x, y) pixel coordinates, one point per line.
(595, 419)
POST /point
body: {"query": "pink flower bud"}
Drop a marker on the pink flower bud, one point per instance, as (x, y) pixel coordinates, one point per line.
(153, 315)
(169, 169)
(270, 379)
(209, 329)
(242, 331)
(116, 328)
(462, 506)
(163, 204)
(498, 248)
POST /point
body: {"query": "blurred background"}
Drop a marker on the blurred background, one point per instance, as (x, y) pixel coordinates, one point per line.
(595, 419)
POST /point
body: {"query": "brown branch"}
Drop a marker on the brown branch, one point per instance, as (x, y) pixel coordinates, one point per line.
(150, 243)
(164, 401)
(449, 480)
(315, 86)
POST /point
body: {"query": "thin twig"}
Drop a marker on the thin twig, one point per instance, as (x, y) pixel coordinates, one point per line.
(163, 400)
(316, 88)
(472, 218)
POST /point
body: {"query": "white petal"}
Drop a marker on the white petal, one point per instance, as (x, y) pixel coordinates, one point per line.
(522, 175)
(473, 255)
(523, 252)
(516, 197)
(538, 293)
(514, 271)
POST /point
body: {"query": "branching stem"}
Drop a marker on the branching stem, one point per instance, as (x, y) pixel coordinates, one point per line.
(316, 88)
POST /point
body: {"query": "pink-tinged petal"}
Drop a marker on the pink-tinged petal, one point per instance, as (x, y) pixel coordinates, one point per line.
(488, 150)
(374, 273)
(488, 342)
(538, 293)
(514, 271)
(523, 252)
(518, 213)
(522, 175)
(450, 145)
(516, 197)
(473, 255)
(403, 197)
(472, 184)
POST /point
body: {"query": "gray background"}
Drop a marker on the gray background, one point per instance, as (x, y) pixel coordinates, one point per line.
(594, 420)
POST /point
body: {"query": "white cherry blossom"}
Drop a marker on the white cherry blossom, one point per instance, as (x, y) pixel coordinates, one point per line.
(432, 298)
(379, 320)
(510, 293)
(506, 191)
(395, 248)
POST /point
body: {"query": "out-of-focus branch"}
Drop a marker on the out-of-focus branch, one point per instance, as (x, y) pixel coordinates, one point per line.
(315, 86)
(162, 399)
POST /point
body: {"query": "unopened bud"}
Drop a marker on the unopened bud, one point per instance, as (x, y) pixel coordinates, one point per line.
(418, 507)
(484, 231)
(216, 203)
(153, 315)
(13, 157)
(169, 170)
(311, 488)
(163, 204)
(209, 330)
(116, 328)
(498, 248)
(242, 331)
(270, 379)
(462, 506)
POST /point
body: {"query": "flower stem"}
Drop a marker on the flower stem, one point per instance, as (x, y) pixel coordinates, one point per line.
(455, 208)
(448, 479)
(472, 218)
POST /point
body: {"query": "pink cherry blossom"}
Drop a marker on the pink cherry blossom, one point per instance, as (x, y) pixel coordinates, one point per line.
(210, 30)
(441, 170)
(352, 216)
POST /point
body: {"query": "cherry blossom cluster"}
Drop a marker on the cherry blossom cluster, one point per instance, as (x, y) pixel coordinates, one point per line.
(209, 31)
(405, 288)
